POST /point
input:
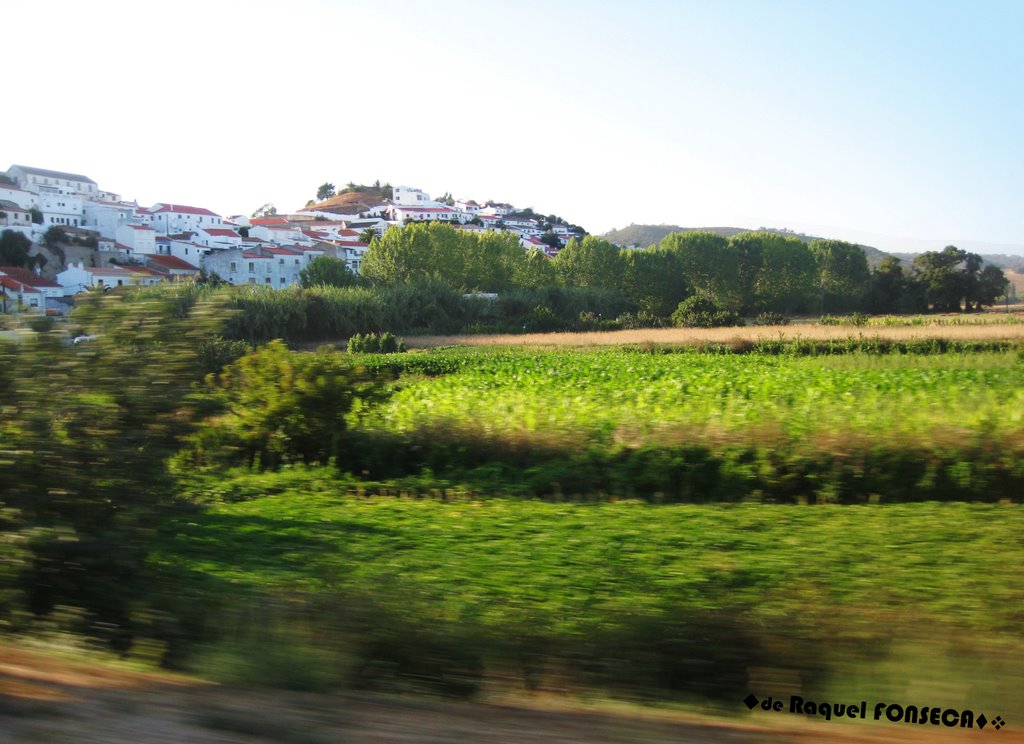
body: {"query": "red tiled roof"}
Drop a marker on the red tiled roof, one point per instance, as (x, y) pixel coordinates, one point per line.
(27, 276)
(269, 221)
(171, 262)
(352, 243)
(182, 209)
(16, 286)
(221, 231)
(281, 250)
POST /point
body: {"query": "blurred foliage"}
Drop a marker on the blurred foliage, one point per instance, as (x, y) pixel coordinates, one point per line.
(85, 436)
(278, 406)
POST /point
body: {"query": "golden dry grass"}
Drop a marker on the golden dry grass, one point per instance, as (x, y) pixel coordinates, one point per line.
(988, 331)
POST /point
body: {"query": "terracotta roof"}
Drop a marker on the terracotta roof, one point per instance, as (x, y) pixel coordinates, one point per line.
(171, 262)
(182, 209)
(27, 276)
(16, 286)
(221, 231)
(269, 221)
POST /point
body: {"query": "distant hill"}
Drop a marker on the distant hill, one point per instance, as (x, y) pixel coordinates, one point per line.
(646, 235)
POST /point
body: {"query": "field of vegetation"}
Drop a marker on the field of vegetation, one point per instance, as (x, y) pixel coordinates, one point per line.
(662, 523)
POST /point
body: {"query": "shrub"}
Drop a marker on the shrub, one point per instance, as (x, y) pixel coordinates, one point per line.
(698, 312)
(279, 406)
(372, 343)
(771, 319)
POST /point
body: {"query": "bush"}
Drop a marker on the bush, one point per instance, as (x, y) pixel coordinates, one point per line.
(372, 343)
(698, 312)
(641, 319)
(771, 319)
(279, 406)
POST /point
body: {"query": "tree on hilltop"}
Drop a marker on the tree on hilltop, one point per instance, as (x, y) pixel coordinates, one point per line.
(326, 191)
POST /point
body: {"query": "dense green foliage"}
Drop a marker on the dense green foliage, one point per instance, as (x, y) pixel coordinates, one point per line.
(327, 272)
(699, 427)
(650, 600)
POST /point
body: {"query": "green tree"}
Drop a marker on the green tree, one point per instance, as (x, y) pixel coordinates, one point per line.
(279, 406)
(326, 191)
(367, 235)
(85, 437)
(941, 277)
(708, 267)
(992, 284)
(54, 236)
(776, 273)
(590, 262)
(653, 280)
(267, 210)
(15, 250)
(327, 271)
(37, 216)
(844, 280)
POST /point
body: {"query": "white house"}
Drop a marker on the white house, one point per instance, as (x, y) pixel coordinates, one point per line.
(425, 214)
(18, 297)
(105, 217)
(36, 179)
(136, 239)
(12, 214)
(167, 219)
(11, 193)
(469, 207)
(33, 286)
(273, 266)
(58, 208)
(173, 267)
(77, 278)
(217, 237)
(407, 196)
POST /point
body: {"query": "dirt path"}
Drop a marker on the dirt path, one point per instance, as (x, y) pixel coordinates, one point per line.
(45, 698)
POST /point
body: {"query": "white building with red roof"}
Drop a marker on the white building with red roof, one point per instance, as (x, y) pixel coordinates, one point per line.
(426, 214)
(217, 237)
(33, 286)
(175, 218)
(268, 265)
(173, 267)
(18, 297)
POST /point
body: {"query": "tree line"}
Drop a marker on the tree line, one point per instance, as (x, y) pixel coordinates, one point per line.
(746, 274)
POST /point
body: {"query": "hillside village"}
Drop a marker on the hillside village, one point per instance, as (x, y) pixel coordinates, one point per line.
(107, 241)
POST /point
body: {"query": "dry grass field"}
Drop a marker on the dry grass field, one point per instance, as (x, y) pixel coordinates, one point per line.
(986, 327)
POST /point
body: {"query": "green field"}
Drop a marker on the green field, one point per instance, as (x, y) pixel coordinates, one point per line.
(528, 531)
(847, 428)
(676, 601)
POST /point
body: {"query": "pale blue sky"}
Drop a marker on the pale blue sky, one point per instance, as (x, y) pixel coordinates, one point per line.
(896, 123)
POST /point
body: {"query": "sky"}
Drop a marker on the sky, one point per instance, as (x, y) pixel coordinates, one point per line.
(898, 124)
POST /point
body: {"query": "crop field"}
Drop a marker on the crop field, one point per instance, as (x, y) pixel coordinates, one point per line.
(990, 326)
(696, 427)
(566, 519)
